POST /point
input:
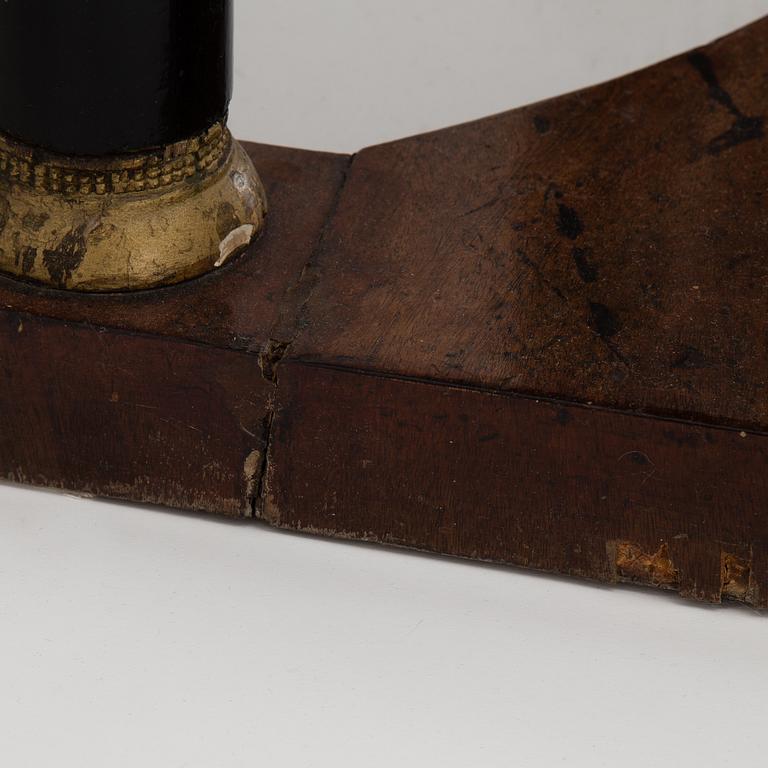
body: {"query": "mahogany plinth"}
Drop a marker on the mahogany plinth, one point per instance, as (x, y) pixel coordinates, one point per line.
(536, 339)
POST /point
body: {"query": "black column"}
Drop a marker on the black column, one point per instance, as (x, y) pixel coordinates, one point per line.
(101, 77)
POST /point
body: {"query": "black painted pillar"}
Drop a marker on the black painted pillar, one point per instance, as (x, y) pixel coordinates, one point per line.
(105, 77)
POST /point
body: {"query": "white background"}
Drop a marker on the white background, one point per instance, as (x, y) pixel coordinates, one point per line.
(136, 637)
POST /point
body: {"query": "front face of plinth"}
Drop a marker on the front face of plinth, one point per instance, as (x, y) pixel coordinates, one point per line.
(129, 417)
(548, 485)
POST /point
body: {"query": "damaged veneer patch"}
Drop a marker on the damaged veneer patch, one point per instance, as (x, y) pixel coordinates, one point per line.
(251, 476)
(636, 565)
(735, 573)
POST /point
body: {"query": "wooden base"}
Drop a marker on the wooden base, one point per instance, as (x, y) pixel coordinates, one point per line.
(536, 339)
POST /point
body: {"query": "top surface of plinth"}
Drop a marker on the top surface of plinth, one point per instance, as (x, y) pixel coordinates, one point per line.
(608, 246)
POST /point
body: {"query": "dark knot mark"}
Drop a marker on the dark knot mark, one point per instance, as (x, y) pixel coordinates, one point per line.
(541, 124)
(570, 225)
(606, 325)
(602, 320)
(744, 128)
(568, 222)
(703, 65)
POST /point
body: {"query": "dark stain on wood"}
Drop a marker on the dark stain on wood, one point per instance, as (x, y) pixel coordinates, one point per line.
(744, 128)
(568, 222)
(541, 124)
(602, 320)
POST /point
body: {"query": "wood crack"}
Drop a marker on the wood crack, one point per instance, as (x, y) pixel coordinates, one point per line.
(282, 337)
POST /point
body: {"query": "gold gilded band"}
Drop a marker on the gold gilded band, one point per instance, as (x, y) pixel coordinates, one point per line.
(84, 176)
(127, 222)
